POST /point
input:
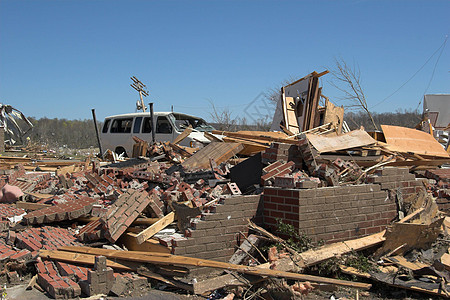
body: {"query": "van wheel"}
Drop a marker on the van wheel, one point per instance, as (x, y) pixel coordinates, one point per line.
(120, 150)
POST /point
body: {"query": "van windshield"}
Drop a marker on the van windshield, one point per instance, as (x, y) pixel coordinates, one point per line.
(183, 121)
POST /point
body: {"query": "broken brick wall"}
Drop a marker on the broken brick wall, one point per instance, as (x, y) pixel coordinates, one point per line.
(339, 213)
(216, 234)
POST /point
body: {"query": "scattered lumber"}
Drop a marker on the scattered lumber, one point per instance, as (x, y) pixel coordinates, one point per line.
(167, 259)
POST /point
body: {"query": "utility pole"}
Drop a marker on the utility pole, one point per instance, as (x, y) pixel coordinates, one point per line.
(140, 87)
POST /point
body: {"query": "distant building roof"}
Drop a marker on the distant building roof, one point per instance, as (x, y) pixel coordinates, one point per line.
(438, 107)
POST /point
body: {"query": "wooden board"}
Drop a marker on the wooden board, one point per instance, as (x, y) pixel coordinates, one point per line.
(155, 228)
(183, 135)
(167, 259)
(401, 261)
(219, 152)
(315, 256)
(88, 259)
(128, 239)
(402, 139)
(290, 114)
(352, 139)
(334, 115)
(259, 136)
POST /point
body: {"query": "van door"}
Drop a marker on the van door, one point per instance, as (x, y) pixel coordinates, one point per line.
(120, 133)
(164, 130)
(144, 132)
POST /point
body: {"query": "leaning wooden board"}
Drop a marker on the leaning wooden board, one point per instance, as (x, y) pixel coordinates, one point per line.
(352, 139)
(402, 139)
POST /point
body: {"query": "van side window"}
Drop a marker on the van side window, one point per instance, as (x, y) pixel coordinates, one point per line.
(106, 125)
(147, 128)
(163, 125)
(121, 125)
(137, 125)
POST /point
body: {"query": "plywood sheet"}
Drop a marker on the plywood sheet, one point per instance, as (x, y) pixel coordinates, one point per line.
(352, 139)
(402, 139)
(217, 151)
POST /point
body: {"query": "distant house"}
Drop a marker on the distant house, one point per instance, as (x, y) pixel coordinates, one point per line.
(438, 108)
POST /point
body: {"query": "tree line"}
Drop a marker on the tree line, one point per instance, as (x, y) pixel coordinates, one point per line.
(80, 134)
(76, 134)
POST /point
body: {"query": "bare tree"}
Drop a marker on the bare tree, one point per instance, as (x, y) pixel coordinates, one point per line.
(274, 94)
(347, 79)
(222, 118)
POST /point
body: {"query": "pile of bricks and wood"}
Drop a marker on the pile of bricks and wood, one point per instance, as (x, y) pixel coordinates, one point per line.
(113, 228)
(251, 214)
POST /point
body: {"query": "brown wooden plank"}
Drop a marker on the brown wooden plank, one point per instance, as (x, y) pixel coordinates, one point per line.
(88, 259)
(352, 139)
(128, 239)
(315, 256)
(166, 259)
(219, 152)
(155, 228)
(183, 135)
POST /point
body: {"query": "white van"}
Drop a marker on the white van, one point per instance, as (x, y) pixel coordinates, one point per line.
(117, 131)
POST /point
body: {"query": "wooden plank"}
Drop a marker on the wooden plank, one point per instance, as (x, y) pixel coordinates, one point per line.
(129, 240)
(404, 140)
(352, 139)
(258, 138)
(445, 260)
(183, 135)
(315, 256)
(219, 152)
(211, 137)
(290, 113)
(155, 228)
(167, 259)
(334, 115)
(31, 205)
(88, 259)
(401, 261)
(40, 196)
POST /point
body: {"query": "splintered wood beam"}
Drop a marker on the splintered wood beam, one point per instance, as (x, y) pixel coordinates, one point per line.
(155, 228)
(167, 259)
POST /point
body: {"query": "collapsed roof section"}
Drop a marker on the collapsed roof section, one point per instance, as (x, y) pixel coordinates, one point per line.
(14, 123)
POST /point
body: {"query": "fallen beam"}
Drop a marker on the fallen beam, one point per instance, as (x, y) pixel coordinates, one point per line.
(167, 259)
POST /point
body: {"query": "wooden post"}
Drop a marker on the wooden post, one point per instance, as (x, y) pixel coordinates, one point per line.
(153, 123)
(96, 132)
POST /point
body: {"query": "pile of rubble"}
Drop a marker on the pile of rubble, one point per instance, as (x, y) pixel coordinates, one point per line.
(172, 218)
(251, 214)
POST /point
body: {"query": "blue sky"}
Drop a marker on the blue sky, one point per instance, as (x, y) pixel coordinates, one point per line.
(60, 59)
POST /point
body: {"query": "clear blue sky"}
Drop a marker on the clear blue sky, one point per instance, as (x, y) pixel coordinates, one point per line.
(59, 59)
